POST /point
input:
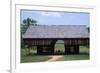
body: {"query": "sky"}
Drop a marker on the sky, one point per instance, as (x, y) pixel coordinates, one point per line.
(56, 18)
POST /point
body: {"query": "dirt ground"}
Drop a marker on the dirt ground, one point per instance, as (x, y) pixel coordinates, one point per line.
(54, 58)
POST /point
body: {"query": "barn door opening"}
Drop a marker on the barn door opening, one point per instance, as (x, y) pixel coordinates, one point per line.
(59, 47)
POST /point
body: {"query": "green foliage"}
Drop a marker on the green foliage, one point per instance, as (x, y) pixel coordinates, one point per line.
(25, 57)
(24, 26)
(26, 23)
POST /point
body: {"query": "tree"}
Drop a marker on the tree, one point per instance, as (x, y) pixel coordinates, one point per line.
(24, 26)
(26, 23)
(29, 22)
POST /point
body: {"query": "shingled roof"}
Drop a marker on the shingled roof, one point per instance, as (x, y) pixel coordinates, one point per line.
(57, 31)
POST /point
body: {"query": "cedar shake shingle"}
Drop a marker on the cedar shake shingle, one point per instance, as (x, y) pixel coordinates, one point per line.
(57, 31)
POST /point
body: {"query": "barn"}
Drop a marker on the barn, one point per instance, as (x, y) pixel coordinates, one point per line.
(44, 37)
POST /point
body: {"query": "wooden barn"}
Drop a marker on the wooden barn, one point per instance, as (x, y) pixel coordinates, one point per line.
(44, 37)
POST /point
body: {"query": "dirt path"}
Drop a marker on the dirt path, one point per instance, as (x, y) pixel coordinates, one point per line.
(54, 58)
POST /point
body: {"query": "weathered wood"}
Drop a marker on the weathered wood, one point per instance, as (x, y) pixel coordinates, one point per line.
(67, 49)
(71, 49)
(46, 46)
(76, 41)
(39, 49)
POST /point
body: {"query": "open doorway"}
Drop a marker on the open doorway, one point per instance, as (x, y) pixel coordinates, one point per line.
(59, 47)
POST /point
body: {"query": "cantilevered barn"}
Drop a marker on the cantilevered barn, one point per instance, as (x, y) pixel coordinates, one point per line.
(44, 37)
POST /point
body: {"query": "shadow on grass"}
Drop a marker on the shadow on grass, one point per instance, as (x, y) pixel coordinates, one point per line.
(34, 57)
(46, 54)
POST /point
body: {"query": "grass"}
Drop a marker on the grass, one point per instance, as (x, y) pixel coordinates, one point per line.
(34, 58)
(26, 58)
(84, 53)
(74, 57)
(59, 46)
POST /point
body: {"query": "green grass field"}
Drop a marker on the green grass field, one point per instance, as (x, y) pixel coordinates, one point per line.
(26, 58)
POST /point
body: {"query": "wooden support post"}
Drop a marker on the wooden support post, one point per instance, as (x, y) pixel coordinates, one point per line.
(76, 49)
(52, 49)
(39, 49)
(67, 49)
(71, 49)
